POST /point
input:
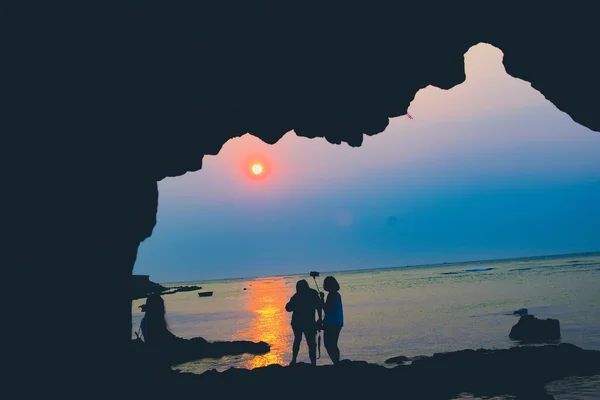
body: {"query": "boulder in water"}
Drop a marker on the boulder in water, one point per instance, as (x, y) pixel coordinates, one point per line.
(520, 311)
(531, 329)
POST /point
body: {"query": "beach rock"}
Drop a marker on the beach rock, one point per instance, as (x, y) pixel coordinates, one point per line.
(397, 360)
(142, 287)
(535, 393)
(187, 288)
(180, 350)
(521, 371)
(532, 329)
(415, 358)
(520, 311)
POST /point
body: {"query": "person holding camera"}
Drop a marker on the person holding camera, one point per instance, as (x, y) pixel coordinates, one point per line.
(303, 305)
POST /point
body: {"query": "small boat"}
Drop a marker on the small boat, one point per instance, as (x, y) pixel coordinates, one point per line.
(205, 294)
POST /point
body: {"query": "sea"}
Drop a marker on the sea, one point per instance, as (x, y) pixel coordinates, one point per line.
(410, 311)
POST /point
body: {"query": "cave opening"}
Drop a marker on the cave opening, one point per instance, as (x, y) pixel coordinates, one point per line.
(487, 170)
(101, 103)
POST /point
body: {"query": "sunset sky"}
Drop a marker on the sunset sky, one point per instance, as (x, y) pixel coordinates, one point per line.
(488, 169)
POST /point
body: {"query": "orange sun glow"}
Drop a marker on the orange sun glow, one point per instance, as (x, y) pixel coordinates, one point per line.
(257, 169)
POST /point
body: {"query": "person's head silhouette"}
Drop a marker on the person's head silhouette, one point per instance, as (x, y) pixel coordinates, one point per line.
(302, 286)
(330, 284)
(155, 306)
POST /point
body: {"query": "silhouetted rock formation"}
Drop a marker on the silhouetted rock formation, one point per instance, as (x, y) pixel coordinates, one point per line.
(531, 329)
(182, 350)
(186, 288)
(520, 311)
(143, 287)
(520, 371)
(103, 101)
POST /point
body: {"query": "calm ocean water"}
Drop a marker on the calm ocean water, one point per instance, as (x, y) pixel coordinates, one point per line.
(403, 311)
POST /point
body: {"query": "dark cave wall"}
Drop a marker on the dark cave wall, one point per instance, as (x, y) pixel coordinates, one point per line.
(101, 102)
(551, 47)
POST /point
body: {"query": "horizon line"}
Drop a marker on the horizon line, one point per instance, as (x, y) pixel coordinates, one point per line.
(383, 268)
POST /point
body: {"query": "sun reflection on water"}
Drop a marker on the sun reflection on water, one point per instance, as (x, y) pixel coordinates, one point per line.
(266, 300)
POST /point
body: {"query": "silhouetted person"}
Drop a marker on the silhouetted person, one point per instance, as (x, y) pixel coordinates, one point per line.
(334, 318)
(303, 305)
(173, 349)
(155, 330)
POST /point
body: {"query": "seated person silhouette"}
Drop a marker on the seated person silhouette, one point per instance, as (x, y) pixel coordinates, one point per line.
(303, 305)
(175, 350)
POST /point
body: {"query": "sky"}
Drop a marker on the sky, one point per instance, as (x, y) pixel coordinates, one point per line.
(488, 169)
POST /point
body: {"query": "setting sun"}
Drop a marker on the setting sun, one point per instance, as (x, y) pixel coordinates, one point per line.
(257, 169)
